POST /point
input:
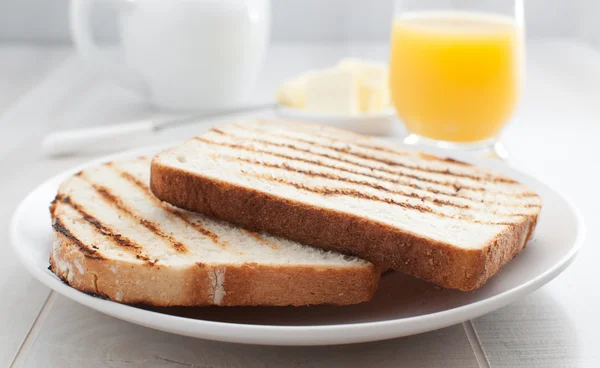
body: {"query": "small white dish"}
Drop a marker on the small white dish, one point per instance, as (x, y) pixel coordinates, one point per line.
(402, 306)
(378, 123)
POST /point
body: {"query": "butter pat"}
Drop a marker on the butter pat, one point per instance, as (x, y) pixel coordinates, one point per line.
(351, 87)
(292, 92)
(373, 83)
(332, 91)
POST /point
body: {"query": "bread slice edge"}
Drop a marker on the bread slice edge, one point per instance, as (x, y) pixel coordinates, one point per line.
(203, 284)
(385, 246)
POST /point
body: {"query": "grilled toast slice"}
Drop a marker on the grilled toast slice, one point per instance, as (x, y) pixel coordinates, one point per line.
(115, 239)
(435, 218)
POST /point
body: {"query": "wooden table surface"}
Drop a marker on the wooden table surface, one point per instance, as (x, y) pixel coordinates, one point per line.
(555, 136)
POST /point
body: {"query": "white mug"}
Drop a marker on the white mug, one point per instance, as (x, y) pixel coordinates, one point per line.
(195, 55)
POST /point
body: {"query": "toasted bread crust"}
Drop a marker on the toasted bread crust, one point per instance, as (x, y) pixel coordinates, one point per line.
(385, 246)
(249, 284)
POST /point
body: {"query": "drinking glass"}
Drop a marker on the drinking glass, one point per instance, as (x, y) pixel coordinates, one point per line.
(456, 70)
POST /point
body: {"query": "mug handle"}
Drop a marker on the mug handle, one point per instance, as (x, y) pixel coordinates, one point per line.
(81, 32)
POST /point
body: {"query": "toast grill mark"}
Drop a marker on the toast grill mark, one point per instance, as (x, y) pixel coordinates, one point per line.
(392, 163)
(377, 187)
(358, 194)
(199, 228)
(398, 174)
(195, 225)
(348, 150)
(87, 252)
(396, 152)
(338, 159)
(154, 228)
(260, 239)
(350, 181)
(436, 201)
(334, 139)
(399, 181)
(117, 238)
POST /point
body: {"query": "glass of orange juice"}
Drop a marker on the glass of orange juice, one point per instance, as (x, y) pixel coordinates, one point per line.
(456, 70)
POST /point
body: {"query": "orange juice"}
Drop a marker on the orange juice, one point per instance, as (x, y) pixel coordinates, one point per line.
(454, 76)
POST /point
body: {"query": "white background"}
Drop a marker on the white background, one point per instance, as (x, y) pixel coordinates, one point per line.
(45, 21)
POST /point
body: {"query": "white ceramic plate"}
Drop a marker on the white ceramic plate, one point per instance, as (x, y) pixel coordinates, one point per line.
(402, 305)
(377, 123)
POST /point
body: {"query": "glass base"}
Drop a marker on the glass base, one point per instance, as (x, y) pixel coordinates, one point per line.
(491, 148)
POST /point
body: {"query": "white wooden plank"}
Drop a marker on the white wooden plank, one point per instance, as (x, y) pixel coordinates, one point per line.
(539, 331)
(76, 336)
(21, 67)
(22, 125)
(555, 138)
(22, 295)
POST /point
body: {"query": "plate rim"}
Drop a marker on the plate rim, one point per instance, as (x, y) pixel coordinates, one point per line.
(290, 335)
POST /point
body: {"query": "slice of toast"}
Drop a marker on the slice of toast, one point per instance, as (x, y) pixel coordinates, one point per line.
(435, 218)
(116, 240)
